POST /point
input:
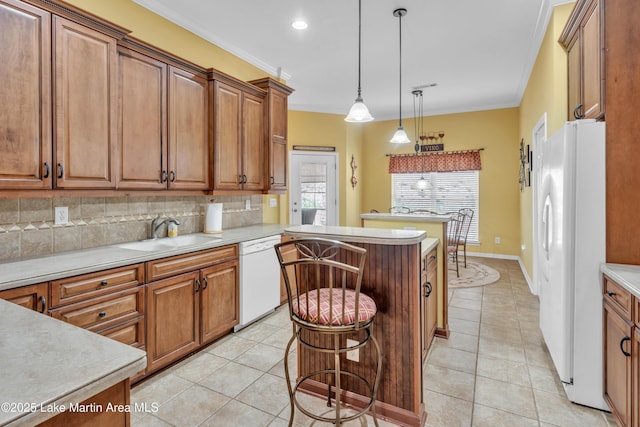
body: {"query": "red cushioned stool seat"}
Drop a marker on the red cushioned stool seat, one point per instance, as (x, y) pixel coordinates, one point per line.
(330, 312)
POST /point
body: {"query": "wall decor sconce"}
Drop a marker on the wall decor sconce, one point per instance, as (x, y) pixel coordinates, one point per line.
(354, 180)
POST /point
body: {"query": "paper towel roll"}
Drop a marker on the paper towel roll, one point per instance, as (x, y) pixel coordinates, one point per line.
(213, 218)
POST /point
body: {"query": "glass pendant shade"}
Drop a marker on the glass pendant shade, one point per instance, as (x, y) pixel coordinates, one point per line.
(359, 113)
(400, 137)
(422, 184)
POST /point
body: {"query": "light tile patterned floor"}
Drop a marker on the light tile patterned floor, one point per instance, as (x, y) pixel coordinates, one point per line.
(494, 370)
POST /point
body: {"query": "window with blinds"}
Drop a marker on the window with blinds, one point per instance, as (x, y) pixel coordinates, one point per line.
(444, 192)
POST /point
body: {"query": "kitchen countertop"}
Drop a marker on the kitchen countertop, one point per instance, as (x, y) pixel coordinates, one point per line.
(627, 276)
(48, 364)
(428, 244)
(359, 235)
(42, 269)
(414, 217)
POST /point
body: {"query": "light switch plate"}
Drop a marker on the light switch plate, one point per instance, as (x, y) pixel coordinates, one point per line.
(61, 215)
(353, 355)
(273, 202)
(247, 204)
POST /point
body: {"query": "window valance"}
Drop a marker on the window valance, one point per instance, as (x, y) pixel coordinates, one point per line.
(447, 161)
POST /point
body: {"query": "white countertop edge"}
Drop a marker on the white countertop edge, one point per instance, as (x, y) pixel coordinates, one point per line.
(68, 264)
(428, 244)
(359, 234)
(406, 217)
(627, 276)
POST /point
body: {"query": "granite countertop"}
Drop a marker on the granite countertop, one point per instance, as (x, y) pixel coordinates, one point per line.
(67, 264)
(413, 217)
(48, 364)
(428, 244)
(359, 234)
(627, 276)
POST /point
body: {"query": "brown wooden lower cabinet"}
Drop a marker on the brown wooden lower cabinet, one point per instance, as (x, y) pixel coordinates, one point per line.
(33, 297)
(429, 300)
(114, 396)
(173, 318)
(189, 310)
(288, 256)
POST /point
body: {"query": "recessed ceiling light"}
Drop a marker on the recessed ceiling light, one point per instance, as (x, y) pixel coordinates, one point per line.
(299, 24)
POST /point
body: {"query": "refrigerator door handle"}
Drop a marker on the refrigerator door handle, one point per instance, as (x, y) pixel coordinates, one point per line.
(546, 238)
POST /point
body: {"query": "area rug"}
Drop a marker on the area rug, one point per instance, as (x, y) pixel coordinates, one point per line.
(476, 274)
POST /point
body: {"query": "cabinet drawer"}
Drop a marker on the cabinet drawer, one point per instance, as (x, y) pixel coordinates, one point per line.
(104, 312)
(174, 266)
(619, 297)
(130, 333)
(80, 288)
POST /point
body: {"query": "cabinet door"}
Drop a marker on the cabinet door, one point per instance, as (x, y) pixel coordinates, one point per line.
(220, 309)
(592, 83)
(432, 295)
(189, 152)
(227, 137)
(574, 80)
(85, 112)
(142, 115)
(617, 364)
(278, 144)
(253, 148)
(25, 113)
(33, 297)
(636, 376)
(173, 318)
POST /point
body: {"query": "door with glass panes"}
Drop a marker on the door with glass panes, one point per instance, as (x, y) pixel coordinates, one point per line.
(313, 189)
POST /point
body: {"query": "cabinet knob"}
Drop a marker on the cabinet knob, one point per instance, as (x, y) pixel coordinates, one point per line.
(102, 314)
(611, 294)
(626, 353)
(104, 283)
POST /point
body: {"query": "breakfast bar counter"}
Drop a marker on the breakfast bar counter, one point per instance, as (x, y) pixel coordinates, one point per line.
(392, 278)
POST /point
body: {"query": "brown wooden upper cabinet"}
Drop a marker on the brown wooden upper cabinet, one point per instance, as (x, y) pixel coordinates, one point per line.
(162, 126)
(238, 141)
(276, 132)
(85, 108)
(25, 140)
(583, 38)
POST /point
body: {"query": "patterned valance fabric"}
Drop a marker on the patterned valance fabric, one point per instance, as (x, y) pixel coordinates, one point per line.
(435, 162)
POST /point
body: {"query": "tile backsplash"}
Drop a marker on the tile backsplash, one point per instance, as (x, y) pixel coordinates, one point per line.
(27, 226)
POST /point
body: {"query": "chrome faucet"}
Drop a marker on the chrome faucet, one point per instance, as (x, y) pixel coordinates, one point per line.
(157, 223)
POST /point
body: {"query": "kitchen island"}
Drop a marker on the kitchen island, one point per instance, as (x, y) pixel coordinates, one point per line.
(392, 278)
(436, 227)
(57, 374)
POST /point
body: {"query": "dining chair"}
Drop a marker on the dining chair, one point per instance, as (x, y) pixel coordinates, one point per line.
(464, 233)
(454, 228)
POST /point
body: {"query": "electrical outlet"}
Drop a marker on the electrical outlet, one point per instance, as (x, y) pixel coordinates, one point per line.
(61, 215)
(353, 355)
(273, 202)
(247, 204)
(497, 240)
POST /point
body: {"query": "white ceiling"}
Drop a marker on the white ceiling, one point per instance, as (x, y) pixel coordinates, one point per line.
(479, 52)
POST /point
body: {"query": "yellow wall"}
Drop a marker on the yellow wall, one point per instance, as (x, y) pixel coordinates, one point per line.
(157, 31)
(494, 130)
(546, 92)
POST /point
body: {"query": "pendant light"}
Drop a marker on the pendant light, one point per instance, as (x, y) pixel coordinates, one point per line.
(359, 112)
(422, 184)
(400, 137)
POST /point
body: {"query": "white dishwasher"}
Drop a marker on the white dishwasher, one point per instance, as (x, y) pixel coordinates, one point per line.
(259, 279)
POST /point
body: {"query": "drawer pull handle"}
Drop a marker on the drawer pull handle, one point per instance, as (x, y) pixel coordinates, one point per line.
(626, 353)
(163, 176)
(198, 285)
(273, 180)
(103, 283)
(173, 176)
(43, 302)
(432, 257)
(60, 170)
(102, 314)
(206, 283)
(611, 294)
(47, 170)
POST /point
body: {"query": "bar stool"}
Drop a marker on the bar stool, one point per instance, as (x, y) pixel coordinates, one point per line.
(323, 279)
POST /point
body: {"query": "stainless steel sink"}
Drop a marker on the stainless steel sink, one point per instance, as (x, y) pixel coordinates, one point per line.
(151, 245)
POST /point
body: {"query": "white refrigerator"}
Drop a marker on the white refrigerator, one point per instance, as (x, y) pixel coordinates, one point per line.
(569, 240)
